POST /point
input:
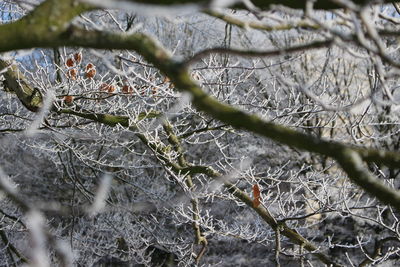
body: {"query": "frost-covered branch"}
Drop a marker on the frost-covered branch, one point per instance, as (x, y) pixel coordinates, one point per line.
(178, 73)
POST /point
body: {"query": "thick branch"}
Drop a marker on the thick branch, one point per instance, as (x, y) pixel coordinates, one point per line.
(15, 82)
(260, 4)
(179, 75)
(61, 34)
(352, 163)
(44, 24)
(174, 141)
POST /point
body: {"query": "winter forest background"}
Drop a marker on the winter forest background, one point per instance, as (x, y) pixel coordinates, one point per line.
(199, 133)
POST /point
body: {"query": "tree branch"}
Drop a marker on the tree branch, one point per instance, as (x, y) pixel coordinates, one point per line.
(254, 53)
(349, 158)
(261, 4)
(260, 26)
(154, 53)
